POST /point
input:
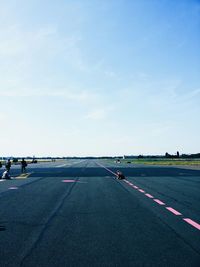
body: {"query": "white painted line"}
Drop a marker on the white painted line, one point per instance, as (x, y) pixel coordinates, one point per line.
(60, 166)
(106, 169)
(13, 188)
(173, 211)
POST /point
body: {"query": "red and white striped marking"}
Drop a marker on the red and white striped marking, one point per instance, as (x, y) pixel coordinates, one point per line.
(175, 212)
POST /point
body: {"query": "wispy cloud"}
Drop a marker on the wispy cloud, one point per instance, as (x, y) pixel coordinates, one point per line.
(28, 50)
(144, 76)
(69, 94)
(99, 113)
(193, 93)
(15, 41)
(111, 74)
(98, 74)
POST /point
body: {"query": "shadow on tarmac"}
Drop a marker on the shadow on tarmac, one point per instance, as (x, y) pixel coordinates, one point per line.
(100, 172)
(2, 228)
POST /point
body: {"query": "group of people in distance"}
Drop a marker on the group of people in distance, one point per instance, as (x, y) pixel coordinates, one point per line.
(6, 173)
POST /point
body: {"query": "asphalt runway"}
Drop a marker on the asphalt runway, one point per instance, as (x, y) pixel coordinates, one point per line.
(76, 213)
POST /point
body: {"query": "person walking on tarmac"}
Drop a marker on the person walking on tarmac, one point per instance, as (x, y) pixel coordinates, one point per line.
(8, 165)
(23, 166)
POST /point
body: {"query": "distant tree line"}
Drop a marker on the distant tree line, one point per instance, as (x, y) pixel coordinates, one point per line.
(167, 155)
(176, 156)
(190, 156)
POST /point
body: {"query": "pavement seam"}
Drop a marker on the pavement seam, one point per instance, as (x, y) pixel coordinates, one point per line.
(47, 223)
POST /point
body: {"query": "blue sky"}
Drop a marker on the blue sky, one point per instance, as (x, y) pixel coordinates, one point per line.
(92, 77)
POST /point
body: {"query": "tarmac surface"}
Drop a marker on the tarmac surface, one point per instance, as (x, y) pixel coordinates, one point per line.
(76, 213)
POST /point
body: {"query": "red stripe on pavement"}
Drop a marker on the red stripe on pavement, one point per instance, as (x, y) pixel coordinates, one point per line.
(159, 201)
(142, 191)
(173, 211)
(191, 222)
(148, 195)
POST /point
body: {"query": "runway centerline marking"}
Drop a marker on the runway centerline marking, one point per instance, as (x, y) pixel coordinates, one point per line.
(193, 223)
(107, 169)
(68, 181)
(158, 201)
(170, 209)
(173, 211)
(148, 195)
(142, 191)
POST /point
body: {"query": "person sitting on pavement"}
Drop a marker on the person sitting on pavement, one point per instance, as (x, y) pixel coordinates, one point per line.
(6, 175)
(120, 175)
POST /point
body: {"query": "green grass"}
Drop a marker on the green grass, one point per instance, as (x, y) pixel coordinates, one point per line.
(163, 162)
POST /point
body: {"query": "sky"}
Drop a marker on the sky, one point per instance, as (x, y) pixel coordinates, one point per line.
(99, 77)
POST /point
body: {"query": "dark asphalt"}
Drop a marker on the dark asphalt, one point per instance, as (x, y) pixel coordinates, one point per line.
(75, 213)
